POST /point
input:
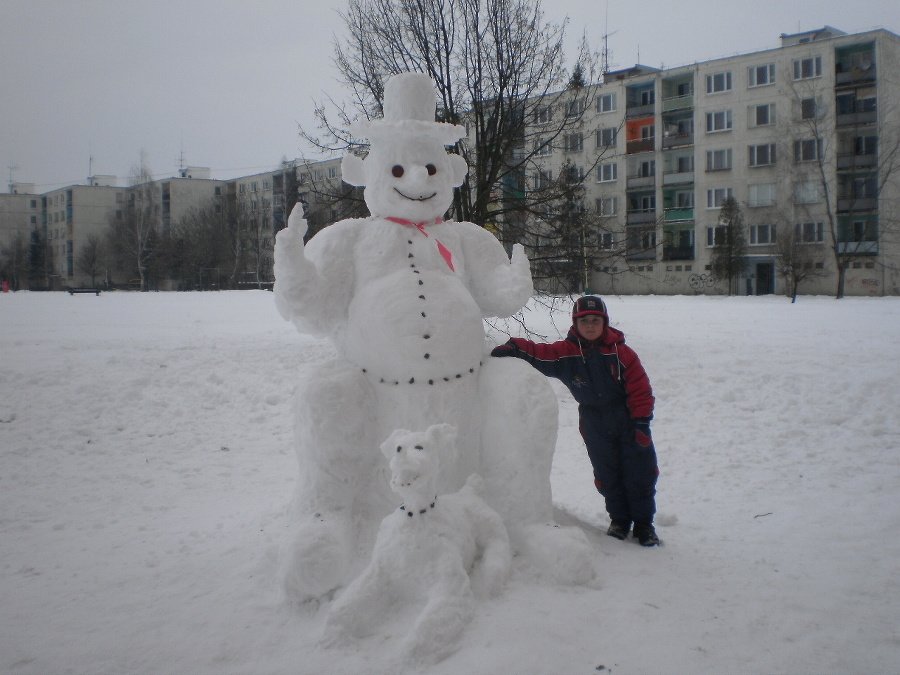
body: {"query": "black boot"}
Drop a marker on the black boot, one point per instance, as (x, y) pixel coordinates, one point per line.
(618, 529)
(645, 534)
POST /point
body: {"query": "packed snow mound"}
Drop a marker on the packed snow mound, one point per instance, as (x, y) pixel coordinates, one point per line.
(432, 556)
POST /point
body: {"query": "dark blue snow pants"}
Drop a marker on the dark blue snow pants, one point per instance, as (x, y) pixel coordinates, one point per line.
(624, 461)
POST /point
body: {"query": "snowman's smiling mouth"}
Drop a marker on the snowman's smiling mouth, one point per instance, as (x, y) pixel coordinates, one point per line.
(415, 199)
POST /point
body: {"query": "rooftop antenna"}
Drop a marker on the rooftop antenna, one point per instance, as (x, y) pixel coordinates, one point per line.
(11, 169)
(605, 54)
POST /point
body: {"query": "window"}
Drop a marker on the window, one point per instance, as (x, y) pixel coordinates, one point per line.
(606, 240)
(576, 107)
(718, 121)
(607, 173)
(718, 82)
(808, 150)
(254, 186)
(809, 109)
(647, 168)
(760, 235)
(761, 115)
(606, 138)
(762, 155)
(807, 192)
(648, 97)
(607, 206)
(332, 172)
(241, 188)
(573, 142)
(685, 164)
(810, 233)
(715, 236)
(865, 188)
(543, 149)
(805, 69)
(716, 197)
(718, 160)
(648, 132)
(684, 199)
(543, 114)
(542, 179)
(606, 103)
(865, 145)
(758, 76)
(761, 194)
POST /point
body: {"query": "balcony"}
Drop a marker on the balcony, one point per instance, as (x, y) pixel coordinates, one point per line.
(857, 204)
(645, 110)
(851, 247)
(640, 145)
(678, 177)
(677, 214)
(678, 252)
(853, 161)
(633, 182)
(853, 118)
(640, 216)
(677, 140)
(677, 103)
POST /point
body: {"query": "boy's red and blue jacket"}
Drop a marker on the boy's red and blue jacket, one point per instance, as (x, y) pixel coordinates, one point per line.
(600, 374)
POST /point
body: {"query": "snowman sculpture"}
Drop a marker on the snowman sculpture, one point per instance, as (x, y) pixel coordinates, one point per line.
(401, 295)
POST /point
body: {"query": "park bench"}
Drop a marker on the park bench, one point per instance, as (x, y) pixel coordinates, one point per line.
(73, 291)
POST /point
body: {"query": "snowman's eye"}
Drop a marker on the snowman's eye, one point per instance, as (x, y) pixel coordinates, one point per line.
(397, 170)
(431, 169)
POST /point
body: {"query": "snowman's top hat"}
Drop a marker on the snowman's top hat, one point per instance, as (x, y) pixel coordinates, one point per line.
(409, 108)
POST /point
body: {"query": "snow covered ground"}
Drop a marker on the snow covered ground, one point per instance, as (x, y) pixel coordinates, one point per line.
(146, 463)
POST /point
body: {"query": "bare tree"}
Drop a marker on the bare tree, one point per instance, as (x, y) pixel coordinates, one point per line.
(846, 158)
(797, 261)
(132, 235)
(729, 255)
(91, 258)
(498, 69)
(14, 261)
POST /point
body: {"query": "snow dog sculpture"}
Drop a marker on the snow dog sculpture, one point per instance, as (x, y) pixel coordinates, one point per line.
(401, 295)
(433, 554)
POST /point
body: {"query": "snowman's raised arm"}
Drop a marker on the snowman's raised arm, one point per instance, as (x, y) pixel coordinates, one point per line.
(501, 286)
(313, 284)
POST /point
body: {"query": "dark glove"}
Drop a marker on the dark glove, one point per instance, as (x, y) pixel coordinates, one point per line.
(642, 431)
(507, 349)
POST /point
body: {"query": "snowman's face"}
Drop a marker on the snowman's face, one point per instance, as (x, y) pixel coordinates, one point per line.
(411, 178)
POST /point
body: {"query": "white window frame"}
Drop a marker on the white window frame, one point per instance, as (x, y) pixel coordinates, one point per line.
(761, 155)
(808, 192)
(648, 132)
(719, 160)
(543, 149)
(607, 173)
(761, 76)
(606, 103)
(761, 194)
(763, 234)
(753, 115)
(606, 241)
(607, 206)
(810, 233)
(809, 149)
(719, 121)
(808, 68)
(717, 83)
(715, 197)
(543, 114)
(607, 137)
(573, 142)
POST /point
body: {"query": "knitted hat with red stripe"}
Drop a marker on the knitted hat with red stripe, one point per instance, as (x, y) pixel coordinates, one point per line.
(589, 304)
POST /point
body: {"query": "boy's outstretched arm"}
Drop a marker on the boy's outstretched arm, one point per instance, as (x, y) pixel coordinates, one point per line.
(549, 358)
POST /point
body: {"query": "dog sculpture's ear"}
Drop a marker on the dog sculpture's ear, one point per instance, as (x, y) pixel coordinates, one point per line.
(442, 435)
(389, 447)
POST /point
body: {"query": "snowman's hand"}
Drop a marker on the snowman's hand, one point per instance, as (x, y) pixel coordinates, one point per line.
(519, 280)
(293, 272)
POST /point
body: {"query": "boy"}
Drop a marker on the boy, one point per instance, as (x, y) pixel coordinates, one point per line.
(615, 406)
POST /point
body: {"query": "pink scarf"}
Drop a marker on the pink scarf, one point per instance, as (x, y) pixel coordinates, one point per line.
(443, 250)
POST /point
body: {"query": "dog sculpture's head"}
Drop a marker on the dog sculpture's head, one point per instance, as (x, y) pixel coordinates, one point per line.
(415, 461)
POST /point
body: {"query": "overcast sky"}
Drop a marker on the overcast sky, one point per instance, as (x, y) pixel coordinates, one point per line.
(224, 83)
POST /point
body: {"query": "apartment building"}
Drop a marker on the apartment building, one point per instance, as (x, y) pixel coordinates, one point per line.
(804, 137)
